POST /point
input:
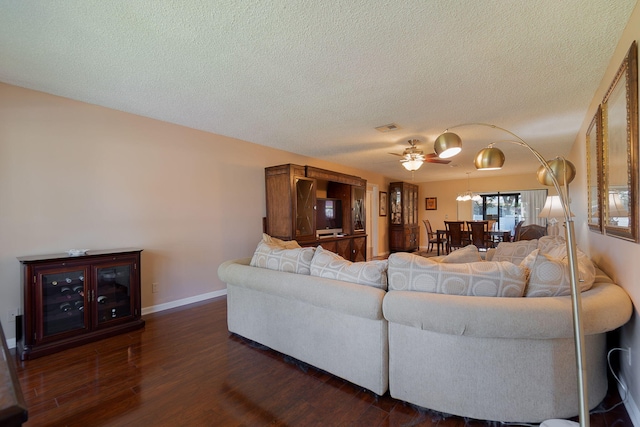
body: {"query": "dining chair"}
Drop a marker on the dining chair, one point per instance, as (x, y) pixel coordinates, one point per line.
(479, 234)
(516, 231)
(433, 238)
(532, 231)
(457, 237)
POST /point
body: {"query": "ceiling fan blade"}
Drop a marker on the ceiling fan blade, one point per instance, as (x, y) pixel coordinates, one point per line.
(437, 160)
(396, 154)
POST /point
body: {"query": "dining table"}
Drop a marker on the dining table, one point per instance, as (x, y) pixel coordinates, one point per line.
(496, 236)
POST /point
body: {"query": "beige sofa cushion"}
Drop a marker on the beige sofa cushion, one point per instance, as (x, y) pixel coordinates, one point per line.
(274, 257)
(549, 275)
(332, 266)
(514, 252)
(409, 272)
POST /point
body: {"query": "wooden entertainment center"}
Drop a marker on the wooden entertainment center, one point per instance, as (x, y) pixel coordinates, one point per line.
(292, 209)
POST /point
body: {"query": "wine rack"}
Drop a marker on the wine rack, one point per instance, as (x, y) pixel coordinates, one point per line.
(72, 300)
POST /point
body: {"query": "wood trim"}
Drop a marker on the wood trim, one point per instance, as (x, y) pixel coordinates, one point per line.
(327, 175)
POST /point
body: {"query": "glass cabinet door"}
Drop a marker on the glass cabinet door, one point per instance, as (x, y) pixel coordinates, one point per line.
(305, 208)
(358, 209)
(113, 292)
(395, 201)
(62, 301)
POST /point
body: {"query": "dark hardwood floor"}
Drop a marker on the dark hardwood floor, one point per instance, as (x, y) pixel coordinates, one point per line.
(184, 369)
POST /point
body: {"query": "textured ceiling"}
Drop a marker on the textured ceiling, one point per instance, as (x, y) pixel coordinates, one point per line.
(316, 77)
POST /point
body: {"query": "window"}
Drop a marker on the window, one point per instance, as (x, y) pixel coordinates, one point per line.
(507, 209)
(504, 208)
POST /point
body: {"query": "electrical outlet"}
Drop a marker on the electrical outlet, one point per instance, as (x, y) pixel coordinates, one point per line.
(13, 313)
(154, 287)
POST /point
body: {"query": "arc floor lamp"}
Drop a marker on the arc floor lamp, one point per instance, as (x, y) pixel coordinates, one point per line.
(558, 172)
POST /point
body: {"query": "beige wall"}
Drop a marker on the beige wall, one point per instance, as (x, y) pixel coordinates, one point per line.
(617, 257)
(74, 175)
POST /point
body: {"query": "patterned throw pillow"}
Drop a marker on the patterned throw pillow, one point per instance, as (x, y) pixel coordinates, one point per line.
(514, 252)
(332, 266)
(549, 276)
(549, 243)
(274, 257)
(409, 272)
(284, 244)
(467, 254)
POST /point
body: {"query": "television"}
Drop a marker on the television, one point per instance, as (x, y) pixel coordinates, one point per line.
(328, 217)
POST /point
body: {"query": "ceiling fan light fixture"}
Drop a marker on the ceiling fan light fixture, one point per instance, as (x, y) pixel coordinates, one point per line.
(447, 145)
(489, 158)
(412, 164)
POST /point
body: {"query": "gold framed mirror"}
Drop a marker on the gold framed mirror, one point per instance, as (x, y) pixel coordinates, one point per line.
(594, 172)
(620, 151)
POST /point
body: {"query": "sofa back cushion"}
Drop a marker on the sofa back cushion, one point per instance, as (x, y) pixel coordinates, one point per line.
(514, 252)
(409, 272)
(275, 257)
(332, 266)
(469, 253)
(547, 244)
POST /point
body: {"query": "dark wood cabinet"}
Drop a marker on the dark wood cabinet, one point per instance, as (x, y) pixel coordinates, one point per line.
(72, 300)
(291, 198)
(353, 248)
(404, 231)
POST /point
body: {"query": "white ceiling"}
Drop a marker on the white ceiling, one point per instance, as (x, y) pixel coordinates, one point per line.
(316, 77)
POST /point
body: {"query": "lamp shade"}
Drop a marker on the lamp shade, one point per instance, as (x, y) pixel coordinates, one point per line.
(557, 166)
(447, 145)
(552, 208)
(489, 158)
(616, 207)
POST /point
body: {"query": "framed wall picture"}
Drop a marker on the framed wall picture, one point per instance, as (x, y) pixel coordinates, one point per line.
(620, 151)
(431, 203)
(382, 203)
(594, 172)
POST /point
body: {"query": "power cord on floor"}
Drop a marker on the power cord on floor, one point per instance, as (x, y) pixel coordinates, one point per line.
(622, 385)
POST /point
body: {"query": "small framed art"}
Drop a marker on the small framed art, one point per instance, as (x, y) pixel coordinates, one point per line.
(431, 203)
(382, 204)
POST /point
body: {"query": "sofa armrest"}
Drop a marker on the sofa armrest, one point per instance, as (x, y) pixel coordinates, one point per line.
(605, 307)
(358, 300)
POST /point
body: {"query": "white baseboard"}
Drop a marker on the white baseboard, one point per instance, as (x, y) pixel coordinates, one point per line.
(629, 404)
(181, 302)
(11, 342)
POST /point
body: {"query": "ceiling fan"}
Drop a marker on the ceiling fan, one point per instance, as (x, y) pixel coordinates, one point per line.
(412, 157)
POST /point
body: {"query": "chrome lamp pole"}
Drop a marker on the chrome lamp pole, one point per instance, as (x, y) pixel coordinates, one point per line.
(558, 172)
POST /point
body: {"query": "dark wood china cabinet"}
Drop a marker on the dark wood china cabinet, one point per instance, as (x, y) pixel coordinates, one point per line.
(404, 230)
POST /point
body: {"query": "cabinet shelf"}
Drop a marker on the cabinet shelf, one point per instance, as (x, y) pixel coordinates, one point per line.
(63, 299)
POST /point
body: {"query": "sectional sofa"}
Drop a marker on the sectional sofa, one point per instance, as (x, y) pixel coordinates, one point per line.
(457, 334)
